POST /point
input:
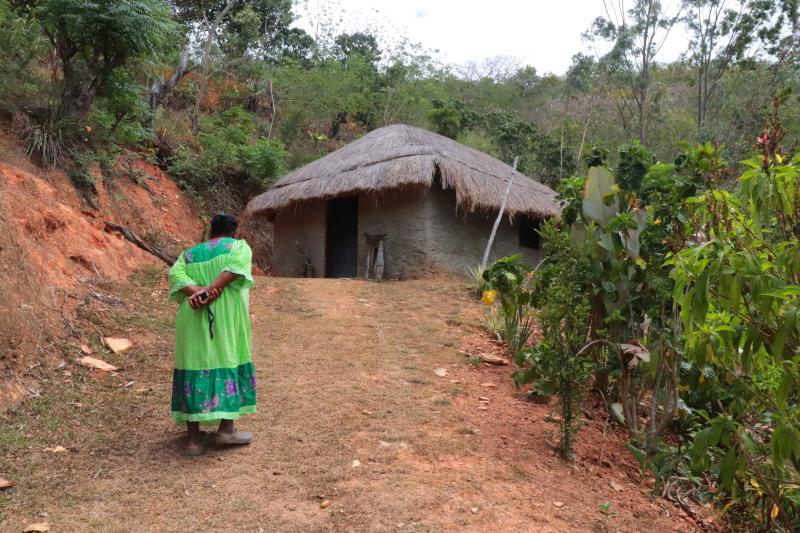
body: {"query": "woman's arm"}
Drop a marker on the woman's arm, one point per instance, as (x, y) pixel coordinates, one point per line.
(190, 290)
(224, 279)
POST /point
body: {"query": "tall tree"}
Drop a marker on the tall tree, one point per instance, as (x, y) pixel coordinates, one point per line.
(259, 29)
(637, 35)
(359, 44)
(93, 38)
(211, 28)
(724, 32)
(497, 68)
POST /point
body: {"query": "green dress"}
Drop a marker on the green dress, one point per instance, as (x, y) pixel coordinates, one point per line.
(213, 376)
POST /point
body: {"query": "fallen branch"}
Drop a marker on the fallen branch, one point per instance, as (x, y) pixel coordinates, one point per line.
(135, 239)
(110, 300)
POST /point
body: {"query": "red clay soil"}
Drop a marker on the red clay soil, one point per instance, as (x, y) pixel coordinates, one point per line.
(52, 242)
(61, 237)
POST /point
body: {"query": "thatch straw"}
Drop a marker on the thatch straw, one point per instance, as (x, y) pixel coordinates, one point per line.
(400, 156)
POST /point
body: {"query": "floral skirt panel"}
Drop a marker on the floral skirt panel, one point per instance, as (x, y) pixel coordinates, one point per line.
(213, 394)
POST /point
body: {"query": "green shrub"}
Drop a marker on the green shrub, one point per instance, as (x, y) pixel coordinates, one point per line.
(228, 153)
(21, 43)
(263, 162)
(559, 364)
(80, 171)
(446, 121)
(119, 110)
(738, 291)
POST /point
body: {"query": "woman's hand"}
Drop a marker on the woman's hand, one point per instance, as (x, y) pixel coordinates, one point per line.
(196, 302)
(213, 294)
(191, 291)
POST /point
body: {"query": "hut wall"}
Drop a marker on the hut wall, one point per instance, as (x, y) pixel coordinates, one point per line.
(425, 233)
(458, 239)
(304, 225)
(402, 215)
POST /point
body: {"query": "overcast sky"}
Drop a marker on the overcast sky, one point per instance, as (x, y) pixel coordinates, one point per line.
(542, 33)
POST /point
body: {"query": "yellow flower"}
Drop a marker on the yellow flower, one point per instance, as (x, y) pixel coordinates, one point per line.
(489, 297)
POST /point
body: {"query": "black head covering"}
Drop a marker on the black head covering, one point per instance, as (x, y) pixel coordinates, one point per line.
(223, 224)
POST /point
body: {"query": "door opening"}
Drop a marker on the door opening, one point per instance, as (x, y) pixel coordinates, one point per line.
(341, 238)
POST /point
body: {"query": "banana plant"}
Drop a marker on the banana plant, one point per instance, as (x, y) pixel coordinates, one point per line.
(617, 228)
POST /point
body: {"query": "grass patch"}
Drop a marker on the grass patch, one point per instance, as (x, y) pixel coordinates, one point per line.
(149, 277)
(41, 405)
(150, 323)
(11, 440)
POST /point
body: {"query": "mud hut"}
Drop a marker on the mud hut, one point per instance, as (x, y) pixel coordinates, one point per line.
(417, 200)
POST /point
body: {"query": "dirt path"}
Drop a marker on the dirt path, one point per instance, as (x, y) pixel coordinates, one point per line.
(346, 373)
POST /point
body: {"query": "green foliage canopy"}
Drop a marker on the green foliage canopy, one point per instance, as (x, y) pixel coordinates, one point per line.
(93, 38)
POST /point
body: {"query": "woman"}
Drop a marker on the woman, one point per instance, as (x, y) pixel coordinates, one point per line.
(213, 379)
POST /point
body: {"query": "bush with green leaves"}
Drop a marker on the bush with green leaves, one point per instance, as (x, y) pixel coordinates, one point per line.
(446, 121)
(21, 43)
(634, 224)
(118, 113)
(692, 285)
(92, 39)
(263, 162)
(738, 290)
(80, 172)
(559, 364)
(228, 154)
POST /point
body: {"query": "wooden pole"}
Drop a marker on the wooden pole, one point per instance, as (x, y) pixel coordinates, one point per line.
(500, 214)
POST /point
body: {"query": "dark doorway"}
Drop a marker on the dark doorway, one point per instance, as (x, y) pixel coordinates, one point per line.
(341, 239)
(529, 232)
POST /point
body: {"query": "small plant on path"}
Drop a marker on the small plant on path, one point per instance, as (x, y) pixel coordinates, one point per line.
(507, 280)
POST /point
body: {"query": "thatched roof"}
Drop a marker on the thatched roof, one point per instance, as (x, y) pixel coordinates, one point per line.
(402, 156)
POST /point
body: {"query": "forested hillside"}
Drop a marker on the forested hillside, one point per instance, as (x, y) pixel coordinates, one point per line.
(228, 95)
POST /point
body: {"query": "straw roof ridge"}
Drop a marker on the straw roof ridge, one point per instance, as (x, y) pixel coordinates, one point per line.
(397, 156)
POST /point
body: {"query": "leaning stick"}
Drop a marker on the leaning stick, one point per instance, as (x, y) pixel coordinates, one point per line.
(500, 214)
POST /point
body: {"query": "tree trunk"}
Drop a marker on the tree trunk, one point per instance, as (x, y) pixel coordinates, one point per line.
(211, 35)
(700, 118)
(67, 93)
(161, 88)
